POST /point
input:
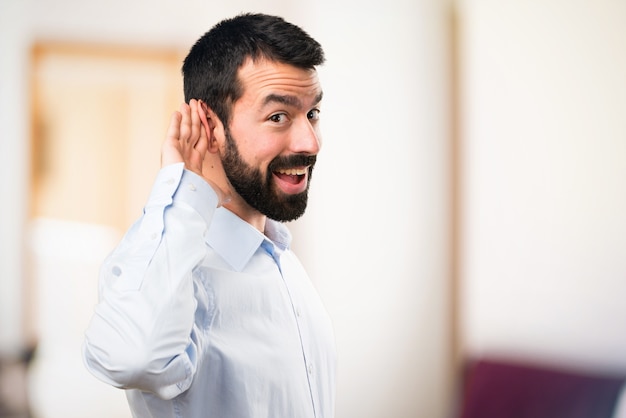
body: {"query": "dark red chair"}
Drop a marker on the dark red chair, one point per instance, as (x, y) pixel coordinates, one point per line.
(502, 389)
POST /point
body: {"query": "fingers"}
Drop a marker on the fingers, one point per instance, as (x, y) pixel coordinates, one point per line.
(192, 137)
(195, 122)
(187, 139)
(190, 124)
(185, 124)
(170, 151)
(173, 131)
(202, 145)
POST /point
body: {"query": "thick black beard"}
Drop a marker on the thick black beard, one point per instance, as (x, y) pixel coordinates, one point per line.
(260, 191)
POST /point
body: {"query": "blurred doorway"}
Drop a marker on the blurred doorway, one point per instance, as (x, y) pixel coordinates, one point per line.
(99, 117)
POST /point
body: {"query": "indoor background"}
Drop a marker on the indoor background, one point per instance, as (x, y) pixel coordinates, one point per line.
(469, 200)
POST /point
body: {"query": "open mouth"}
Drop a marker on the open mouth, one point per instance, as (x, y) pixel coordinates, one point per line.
(291, 175)
(292, 180)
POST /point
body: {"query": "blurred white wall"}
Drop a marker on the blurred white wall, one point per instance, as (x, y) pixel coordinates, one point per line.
(376, 237)
(544, 180)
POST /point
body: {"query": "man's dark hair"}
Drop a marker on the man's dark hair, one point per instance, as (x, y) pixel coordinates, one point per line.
(210, 68)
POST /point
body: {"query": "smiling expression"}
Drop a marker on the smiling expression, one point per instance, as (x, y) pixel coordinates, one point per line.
(273, 139)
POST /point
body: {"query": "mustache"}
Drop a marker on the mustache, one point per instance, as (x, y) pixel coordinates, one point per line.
(291, 161)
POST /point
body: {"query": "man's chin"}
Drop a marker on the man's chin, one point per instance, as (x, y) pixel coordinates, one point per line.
(289, 210)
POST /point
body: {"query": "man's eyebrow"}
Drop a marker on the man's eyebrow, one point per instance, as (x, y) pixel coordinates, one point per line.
(282, 99)
(288, 100)
(318, 98)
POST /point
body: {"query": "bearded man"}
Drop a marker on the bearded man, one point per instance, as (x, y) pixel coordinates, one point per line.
(204, 311)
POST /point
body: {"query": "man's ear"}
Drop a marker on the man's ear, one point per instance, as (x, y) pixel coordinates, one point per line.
(212, 126)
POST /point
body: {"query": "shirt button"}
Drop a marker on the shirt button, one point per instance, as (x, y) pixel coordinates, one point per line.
(309, 369)
(192, 187)
(154, 236)
(170, 181)
(298, 312)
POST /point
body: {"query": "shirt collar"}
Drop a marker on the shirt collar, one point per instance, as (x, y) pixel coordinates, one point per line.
(236, 241)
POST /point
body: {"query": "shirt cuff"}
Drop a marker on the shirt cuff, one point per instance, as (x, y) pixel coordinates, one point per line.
(197, 193)
(165, 185)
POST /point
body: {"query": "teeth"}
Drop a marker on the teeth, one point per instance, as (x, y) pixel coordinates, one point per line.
(293, 171)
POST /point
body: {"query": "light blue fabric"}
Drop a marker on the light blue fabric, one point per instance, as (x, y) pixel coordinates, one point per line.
(201, 315)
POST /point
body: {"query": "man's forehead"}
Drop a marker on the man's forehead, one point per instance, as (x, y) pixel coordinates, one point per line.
(265, 77)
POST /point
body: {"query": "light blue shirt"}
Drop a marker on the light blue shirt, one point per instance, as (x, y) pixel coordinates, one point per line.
(201, 315)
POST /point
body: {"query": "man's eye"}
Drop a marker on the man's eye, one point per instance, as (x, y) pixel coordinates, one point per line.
(278, 117)
(314, 114)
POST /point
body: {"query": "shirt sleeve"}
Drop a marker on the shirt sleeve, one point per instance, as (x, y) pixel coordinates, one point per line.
(141, 333)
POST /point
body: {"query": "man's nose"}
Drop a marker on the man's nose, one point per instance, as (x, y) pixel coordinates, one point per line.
(305, 138)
